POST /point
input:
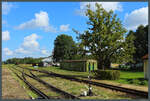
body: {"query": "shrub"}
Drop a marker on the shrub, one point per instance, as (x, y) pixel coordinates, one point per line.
(134, 81)
(125, 67)
(143, 82)
(107, 74)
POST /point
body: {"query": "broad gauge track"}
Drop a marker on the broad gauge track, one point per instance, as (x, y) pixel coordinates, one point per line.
(49, 86)
(31, 87)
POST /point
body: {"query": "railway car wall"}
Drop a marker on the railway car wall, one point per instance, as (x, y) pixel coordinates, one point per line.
(79, 65)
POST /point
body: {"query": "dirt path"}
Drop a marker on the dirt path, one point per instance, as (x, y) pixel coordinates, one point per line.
(11, 89)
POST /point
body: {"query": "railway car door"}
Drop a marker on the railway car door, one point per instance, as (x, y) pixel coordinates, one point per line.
(89, 67)
(93, 66)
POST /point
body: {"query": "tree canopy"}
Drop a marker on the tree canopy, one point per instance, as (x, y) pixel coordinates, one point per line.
(140, 42)
(64, 48)
(105, 38)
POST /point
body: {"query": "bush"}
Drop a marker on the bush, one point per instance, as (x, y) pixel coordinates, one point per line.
(134, 81)
(125, 67)
(143, 82)
(107, 74)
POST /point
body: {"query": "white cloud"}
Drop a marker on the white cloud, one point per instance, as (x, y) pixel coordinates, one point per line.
(7, 51)
(50, 29)
(41, 21)
(5, 35)
(136, 17)
(115, 6)
(30, 42)
(6, 7)
(45, 52)
(64, 28)
(29, 46)
(22, 51)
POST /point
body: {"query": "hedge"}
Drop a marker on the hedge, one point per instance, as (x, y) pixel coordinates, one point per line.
(107, 74)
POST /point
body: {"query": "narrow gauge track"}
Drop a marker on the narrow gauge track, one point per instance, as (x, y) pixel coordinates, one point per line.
(122, 89)
(31, 87)
(65, 94)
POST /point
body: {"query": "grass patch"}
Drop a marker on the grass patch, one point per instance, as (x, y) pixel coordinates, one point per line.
(136, 78)
(64, 72)
(6, 65)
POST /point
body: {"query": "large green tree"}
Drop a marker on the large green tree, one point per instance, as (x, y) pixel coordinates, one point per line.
(105, 38)
(64, 48)
(140, 42)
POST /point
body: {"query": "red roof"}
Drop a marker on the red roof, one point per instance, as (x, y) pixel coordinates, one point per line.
(145, 56)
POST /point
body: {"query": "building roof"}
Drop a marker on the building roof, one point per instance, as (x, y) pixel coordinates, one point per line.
(145, 57)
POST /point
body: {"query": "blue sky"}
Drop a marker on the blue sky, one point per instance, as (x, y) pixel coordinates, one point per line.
(30, 28)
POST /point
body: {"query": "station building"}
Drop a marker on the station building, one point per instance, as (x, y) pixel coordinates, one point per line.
(79, 65)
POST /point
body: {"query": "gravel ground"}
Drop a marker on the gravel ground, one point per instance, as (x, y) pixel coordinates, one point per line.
(11, 89)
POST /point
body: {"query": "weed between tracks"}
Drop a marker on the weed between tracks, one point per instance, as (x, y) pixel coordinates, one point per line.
(77, 88)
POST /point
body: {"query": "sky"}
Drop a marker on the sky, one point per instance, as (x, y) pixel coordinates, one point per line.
(30, 28)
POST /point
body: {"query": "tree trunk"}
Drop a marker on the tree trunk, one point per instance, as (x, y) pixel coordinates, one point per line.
(100, 65)
(107, 64)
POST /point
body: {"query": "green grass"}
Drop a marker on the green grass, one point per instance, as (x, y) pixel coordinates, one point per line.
(131, 75)
(136, 78)
(64, 72)
(6, 65)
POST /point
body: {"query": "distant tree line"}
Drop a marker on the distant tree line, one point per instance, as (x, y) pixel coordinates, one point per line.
(26, 60)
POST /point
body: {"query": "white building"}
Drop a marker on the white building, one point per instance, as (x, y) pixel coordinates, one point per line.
(47, 61)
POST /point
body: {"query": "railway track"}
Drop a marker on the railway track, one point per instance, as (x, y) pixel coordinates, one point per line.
(122, 89)
(31, 87)
(65, 94)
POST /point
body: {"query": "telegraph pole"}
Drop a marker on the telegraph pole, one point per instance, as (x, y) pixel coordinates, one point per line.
(90, 88)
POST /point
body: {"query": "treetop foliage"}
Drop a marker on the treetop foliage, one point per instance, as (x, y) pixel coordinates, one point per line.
(104, 38)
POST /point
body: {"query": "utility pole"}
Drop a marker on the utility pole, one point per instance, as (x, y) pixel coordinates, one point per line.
(89, 77)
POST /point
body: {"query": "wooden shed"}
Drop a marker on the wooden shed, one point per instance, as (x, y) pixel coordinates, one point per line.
(79, 65)
(145, 59)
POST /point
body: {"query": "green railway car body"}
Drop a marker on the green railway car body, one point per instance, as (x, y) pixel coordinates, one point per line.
(79, 65)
